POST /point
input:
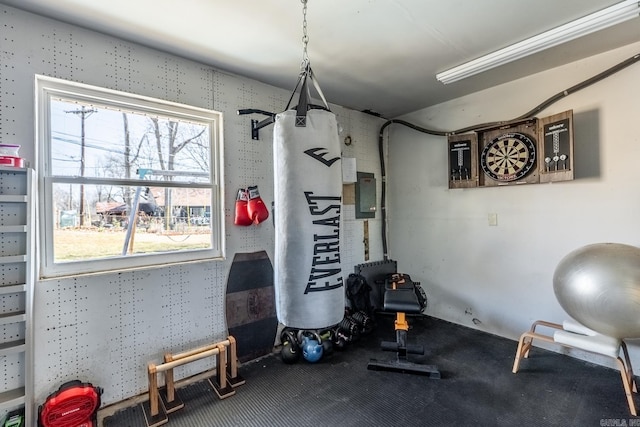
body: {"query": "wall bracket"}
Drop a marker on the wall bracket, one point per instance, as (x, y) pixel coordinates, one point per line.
(256, 125)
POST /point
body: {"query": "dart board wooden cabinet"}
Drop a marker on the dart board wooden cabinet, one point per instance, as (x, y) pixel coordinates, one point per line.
(523, 152)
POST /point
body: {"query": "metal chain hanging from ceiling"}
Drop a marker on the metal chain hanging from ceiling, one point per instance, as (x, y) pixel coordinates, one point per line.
(305, 37)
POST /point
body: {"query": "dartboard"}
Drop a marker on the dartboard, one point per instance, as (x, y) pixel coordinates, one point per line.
(508, 157)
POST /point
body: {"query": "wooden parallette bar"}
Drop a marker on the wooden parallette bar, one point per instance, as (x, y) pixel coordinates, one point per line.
(165, 400)
(574, 335)
(208, 347)
(154, 412)
(219, 381)
(233, 377)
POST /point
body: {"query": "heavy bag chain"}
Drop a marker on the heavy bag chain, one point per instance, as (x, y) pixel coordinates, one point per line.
(305, 72)
(305, 37)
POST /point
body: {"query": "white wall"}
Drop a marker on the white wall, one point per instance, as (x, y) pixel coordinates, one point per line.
(502, 276)
(106, 328)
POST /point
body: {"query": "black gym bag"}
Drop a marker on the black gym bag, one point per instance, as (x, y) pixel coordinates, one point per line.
(358, 294)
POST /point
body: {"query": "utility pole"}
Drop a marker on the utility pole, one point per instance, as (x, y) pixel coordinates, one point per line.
(84, 113)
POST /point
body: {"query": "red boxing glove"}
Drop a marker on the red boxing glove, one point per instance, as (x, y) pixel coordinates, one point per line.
(242, 214)
(258, 212)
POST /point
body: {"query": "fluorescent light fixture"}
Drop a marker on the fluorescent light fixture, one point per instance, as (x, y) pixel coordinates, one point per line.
(604, 18)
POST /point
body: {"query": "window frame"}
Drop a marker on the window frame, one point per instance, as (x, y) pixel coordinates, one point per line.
(48, 88)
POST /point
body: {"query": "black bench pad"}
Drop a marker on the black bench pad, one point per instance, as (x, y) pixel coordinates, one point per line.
(402, 300)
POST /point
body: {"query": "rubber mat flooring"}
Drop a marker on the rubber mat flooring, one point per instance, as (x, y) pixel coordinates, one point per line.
(477, 388)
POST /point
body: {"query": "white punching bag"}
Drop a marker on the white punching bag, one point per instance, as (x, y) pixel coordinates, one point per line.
(307, 200)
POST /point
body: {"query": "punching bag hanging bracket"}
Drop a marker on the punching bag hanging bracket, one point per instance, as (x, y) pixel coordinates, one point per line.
(255, 124)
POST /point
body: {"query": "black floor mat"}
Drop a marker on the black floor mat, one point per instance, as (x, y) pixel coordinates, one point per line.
(477, 388)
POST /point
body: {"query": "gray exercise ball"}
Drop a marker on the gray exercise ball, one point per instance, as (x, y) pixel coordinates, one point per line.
(599, 286)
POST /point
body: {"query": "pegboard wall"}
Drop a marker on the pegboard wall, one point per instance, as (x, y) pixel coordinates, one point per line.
(106, 328)
(109, 333)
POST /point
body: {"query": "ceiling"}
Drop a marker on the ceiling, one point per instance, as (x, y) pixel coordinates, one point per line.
(378, 55)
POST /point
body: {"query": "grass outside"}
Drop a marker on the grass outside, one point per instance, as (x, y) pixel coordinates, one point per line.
(80, 244)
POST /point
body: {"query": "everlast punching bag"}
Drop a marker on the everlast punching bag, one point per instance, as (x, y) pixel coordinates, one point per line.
(307, 199)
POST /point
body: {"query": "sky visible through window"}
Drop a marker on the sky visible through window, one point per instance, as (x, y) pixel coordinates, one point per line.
(154, 142)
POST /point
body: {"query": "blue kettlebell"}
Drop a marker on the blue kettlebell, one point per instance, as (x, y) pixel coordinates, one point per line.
(311, 349)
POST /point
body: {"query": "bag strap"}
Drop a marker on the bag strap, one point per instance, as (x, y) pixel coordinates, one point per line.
(295, 89)
(317, 86)
(303, 104)
(305, 95)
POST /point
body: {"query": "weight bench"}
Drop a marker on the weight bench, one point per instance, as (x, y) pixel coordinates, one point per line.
(572, 334)
(400, 296)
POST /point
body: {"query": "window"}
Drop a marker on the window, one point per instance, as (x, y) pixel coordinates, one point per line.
(125, 181)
